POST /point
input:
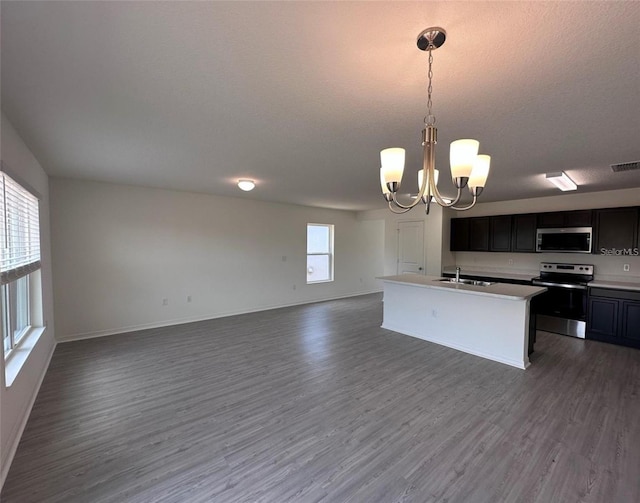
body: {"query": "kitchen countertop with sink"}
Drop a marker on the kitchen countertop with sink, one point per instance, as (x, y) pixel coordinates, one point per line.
(598, 282)
(519, 276)
(487, 289)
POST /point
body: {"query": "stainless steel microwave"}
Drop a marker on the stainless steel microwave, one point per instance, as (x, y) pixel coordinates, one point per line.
(565, 240)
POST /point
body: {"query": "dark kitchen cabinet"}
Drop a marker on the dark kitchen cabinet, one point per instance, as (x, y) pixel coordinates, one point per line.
(523, 234)
(470, 234)
(459, 234)
(500, 234)
(614, 316)
(602, 318)
(615, 228)
(551, 220)
(579, 218)
(479, 234)
(630, 322)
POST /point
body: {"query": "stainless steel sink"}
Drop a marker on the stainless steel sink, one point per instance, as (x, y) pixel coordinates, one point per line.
(454, 280)
(473, 282)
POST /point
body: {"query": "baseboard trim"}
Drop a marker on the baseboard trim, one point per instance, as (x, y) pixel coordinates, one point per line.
(16, 435)
(182, 321)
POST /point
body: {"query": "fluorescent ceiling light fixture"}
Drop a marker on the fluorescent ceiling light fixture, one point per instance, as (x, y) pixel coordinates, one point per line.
(561, 180)
(246, 185)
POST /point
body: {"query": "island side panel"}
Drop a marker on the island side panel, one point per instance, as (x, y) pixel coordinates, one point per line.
(488, 327)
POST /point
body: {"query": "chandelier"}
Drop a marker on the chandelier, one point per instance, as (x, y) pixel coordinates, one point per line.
(467, 167)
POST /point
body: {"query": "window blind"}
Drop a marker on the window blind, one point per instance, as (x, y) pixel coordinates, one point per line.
(20, 236)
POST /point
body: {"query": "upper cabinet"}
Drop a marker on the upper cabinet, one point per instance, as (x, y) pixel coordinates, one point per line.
(500, 233)
(523, 236)
(459, 234)
(479, 234)
(616, 228)
(579, 218)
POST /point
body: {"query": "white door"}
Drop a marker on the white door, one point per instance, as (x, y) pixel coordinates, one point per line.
(411, 247)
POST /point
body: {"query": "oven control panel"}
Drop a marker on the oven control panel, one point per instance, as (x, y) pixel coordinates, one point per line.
(567, 268)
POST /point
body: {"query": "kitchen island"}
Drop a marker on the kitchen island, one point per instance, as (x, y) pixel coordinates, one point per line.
(490, 320)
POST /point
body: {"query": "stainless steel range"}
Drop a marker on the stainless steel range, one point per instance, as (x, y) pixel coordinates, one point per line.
(563, 307)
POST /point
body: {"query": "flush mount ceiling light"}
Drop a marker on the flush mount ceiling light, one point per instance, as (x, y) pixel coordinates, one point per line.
(561, 180)
(246, 185)
(467, 167)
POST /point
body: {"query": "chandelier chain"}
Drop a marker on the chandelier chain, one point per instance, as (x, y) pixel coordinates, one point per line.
(430, 120)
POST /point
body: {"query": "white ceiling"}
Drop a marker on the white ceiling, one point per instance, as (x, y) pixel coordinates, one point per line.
(301, 96)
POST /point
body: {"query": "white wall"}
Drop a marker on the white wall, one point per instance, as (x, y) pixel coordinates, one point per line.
(16, 400)
(120, 250)
(433, 236)
(606, 267)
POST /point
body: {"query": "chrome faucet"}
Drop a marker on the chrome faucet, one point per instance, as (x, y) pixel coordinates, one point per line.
(457, 275)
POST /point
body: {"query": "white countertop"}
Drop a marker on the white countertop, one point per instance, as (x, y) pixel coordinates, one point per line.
(616, 285)
(502, 290)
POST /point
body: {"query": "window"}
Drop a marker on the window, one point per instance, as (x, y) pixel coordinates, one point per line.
(319, 253)
(19, 262)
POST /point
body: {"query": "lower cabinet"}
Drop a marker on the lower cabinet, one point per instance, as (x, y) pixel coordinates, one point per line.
(630, 323)
(602, 320)
(614, 316)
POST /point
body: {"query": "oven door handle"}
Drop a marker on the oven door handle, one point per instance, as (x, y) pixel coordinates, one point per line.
(571, 286)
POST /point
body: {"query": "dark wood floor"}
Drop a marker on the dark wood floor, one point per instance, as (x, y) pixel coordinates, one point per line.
(317, 403)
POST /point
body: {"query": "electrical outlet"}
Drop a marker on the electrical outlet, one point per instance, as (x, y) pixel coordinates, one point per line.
(625, 267)
(165, 302)
(510, 261)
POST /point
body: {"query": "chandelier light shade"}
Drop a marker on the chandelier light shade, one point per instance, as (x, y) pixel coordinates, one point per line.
(392, 162)
(421, 176)
(462, 156)
(480, 171)
(383, 184)
(467, 167)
